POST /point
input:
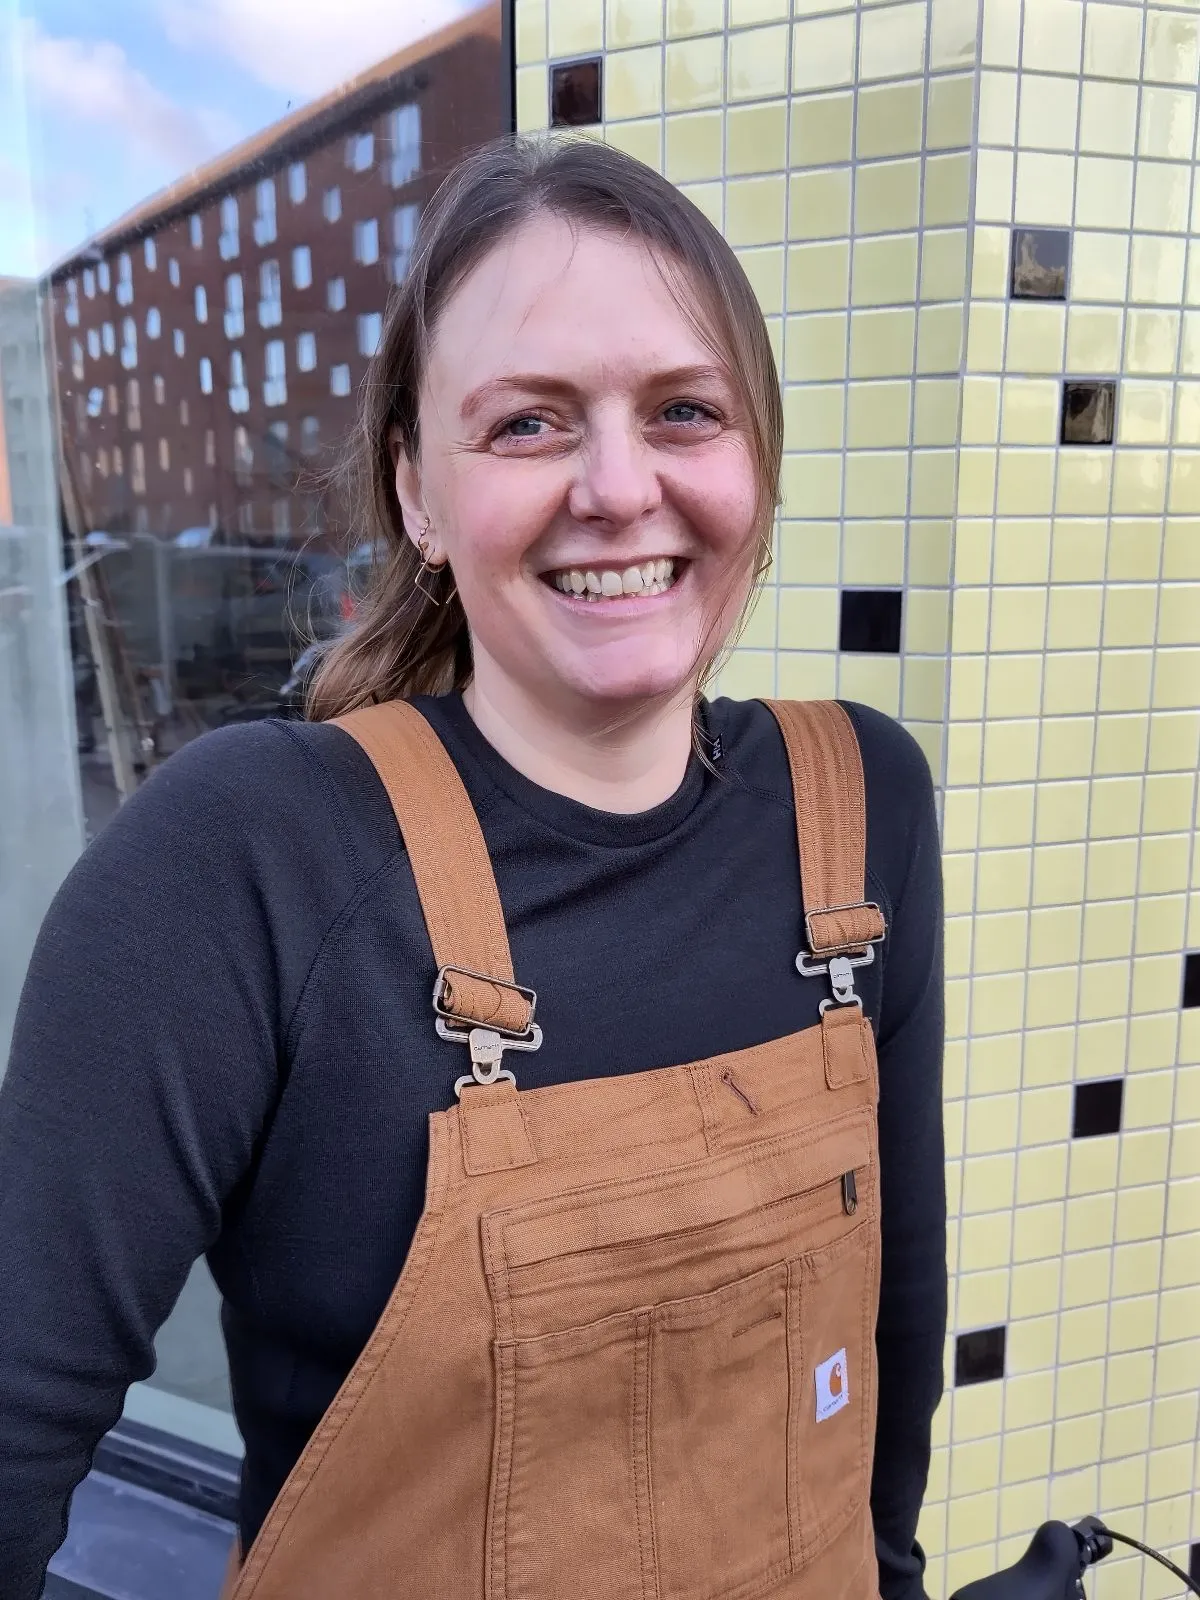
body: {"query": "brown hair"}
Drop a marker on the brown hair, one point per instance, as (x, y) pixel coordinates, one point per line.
(402, 642)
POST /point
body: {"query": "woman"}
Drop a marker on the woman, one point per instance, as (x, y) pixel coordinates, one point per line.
(640, 1343)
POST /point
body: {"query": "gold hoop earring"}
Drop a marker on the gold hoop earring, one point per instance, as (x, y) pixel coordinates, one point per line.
(428, 566)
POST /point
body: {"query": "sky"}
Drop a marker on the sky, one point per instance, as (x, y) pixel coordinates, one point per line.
(101, 105)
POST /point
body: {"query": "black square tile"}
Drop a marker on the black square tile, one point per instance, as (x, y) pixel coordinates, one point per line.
(1194, 1563)
(1089, 411)
(1191, 978)
(870, 621)
(1098, 1108)
(979, 1356)
(576, 93)
(1041, 261)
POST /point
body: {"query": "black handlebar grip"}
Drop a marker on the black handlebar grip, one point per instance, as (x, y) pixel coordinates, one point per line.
(1049, 1570)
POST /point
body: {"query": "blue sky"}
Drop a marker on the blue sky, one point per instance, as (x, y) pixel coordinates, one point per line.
(103, 104)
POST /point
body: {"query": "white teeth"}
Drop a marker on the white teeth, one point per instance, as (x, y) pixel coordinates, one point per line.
(651, 577)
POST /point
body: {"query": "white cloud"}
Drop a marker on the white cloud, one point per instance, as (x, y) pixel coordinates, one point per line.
(94, 81)
(305, 47)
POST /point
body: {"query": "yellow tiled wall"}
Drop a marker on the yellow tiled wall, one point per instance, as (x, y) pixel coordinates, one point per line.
(868, 162)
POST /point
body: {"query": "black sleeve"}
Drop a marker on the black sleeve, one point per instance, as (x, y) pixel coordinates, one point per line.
(911, 1332)
(143, 1067)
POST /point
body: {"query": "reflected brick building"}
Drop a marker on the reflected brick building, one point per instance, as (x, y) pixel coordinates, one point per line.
(210, 344)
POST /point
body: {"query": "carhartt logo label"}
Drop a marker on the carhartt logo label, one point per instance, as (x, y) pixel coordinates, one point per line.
(833, 1386)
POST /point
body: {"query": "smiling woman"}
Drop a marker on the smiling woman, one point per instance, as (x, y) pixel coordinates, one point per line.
(575, 385)
(668, 1317)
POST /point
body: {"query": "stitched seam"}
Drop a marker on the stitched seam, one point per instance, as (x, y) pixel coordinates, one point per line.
(436, 1215)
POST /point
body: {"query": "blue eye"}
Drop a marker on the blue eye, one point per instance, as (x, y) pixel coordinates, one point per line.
(694, 413)
(523, 427)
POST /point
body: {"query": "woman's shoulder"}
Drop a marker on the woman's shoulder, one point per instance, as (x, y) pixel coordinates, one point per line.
(892, 758)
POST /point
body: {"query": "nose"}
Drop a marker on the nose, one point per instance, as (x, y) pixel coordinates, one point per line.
(616, 483)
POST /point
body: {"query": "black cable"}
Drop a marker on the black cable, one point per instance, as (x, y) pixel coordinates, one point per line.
(1123, 1538)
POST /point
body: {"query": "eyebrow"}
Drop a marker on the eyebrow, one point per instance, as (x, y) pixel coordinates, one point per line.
(547, 383)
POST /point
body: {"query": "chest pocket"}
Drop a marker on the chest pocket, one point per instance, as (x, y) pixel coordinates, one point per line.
(685, 1383)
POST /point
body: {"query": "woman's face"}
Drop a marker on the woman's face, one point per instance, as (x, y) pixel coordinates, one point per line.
(586, 467)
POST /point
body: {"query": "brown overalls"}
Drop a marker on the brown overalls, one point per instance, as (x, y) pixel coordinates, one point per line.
(631, 1353)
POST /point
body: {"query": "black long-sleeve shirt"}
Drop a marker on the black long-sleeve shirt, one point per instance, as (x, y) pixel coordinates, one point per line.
(225, 1047)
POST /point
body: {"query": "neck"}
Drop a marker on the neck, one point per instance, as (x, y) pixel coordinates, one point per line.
(625, 768)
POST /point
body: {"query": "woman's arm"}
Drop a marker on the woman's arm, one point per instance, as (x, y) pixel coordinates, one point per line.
(143, 1068)
(911, 1331)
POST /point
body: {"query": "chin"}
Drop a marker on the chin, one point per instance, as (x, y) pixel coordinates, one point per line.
(631, 680)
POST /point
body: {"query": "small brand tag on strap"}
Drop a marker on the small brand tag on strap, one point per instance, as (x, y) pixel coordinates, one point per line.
(495, 1135)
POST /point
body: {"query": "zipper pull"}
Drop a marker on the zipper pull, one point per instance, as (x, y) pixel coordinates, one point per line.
(849, 1194)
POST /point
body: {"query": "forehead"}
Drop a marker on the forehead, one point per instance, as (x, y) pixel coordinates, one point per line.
(554, 297)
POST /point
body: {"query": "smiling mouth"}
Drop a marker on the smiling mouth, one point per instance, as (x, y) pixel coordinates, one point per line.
(599, 584)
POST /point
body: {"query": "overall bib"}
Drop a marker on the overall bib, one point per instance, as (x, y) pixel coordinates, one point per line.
(631, 1353)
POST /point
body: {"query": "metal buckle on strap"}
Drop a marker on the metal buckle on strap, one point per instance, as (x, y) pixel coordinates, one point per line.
(486, 1044)
(840, 967)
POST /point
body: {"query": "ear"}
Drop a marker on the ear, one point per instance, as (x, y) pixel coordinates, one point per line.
(408, 492)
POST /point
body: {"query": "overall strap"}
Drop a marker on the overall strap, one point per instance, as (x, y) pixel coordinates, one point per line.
(831, 828)
(453, 872)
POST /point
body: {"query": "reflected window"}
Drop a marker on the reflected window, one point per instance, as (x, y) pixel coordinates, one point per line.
(85, 466)
(404, 127)
(124, 279)
(187, 480)
(331, 204)
(310, 435)
(235, 308)
(129, 343)
(297, 183)
(118, 462)
(201, 303)
(164, 456)
(93, 343)
(264, 221)
(160, 390)
(173, 272)
(270, 305)
(243, 456)
(370, 328)
(302, 267)
(275, 382)
(114, 403)
(206, 384)
(153, 323)
(210, 448)
(183, 413)
(133, 405)
(71, 310)
(89, 283)
(246, 517)
(281, 519)
(306, 351)
(404, 237)
(102, 462)
(179, 341)
(95, 402)
(137, 469)
(104, 277)
(335, 297)
(76, 359)
(108, 337)
(366, 241)
(360, 151)
(339, 379)
(239, 394)
(196, 230)
(150, 250)
(227, 244)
